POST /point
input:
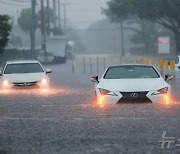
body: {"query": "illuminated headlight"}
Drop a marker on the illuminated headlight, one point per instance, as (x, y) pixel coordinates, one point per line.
(161, 91)
(44, 81)
(106, 92)
(5, 83)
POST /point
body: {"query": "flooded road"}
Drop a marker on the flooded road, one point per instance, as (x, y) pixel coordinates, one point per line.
(65, 118)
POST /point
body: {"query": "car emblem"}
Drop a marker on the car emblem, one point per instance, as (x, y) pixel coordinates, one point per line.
(134, 95)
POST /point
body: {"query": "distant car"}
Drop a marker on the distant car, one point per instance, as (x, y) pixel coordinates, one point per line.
(26, 73)
(178, 63)
(132, 83)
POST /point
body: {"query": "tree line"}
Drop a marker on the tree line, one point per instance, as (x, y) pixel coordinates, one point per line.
(5, 29)
(148, 14)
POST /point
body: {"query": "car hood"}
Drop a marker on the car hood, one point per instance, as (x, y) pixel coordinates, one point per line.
(24, 77)
(128, 85)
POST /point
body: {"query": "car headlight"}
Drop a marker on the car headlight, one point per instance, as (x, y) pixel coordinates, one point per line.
(161, 91)
(106, 92)
(5, 83)
(44, 81)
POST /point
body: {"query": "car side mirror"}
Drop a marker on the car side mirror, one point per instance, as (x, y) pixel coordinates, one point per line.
(168, 77)
(95, 79)
(48, 71)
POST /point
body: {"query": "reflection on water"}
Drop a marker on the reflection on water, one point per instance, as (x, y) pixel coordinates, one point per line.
(49, 92)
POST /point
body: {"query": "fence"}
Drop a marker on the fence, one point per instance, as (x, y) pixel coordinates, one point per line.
(88, 63)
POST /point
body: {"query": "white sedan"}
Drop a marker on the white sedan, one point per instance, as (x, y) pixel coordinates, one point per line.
(132, 83)
(26, 73)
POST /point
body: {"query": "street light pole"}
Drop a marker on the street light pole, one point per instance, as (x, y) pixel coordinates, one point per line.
(122, 39)
(65, 26)
(48, 20)
(33, 4)
(43, 32)
(59, 15)
(54, 13)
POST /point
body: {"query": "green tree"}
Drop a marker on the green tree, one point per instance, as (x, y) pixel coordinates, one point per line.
(163, 12)
(5, 29)
(46, 16)
(125, 10)
(54, 30)
(147, 35)
(24, 20)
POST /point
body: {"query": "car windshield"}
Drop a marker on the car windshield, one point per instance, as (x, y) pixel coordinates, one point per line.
(23, 68)
(129, 72)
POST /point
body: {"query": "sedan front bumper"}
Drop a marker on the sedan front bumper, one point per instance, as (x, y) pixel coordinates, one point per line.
(133, 97)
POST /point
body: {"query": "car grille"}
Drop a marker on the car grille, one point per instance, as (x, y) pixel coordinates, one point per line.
(134, 97)
(24, 84)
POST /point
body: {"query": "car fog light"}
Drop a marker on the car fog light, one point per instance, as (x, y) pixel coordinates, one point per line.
(101, 101)
(167, 99)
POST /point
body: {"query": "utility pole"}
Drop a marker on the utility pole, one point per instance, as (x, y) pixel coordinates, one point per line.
(33, 4)
(122, 39)
(54, 13)
(43, 31)
(65, 26)
(59, 15)
(48, 21)
(17, 16)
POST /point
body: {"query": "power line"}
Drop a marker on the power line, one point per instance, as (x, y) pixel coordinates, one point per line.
(24, 1)
(88, 10)
(86, 4)
(96, 30)
(11, 4)
(87, 22)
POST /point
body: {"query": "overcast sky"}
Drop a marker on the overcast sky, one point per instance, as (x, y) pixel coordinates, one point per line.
(80, 13)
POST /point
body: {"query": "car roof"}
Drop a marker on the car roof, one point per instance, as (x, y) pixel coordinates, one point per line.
(143, 65)
(21, 61)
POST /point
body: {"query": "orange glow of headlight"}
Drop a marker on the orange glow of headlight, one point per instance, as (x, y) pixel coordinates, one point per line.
(44, 91)
(167, 99)
(101, 101)
(5, 91)
(5, 83)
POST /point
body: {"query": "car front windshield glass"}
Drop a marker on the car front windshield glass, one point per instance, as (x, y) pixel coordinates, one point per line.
(23, 68)
(129, 72)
